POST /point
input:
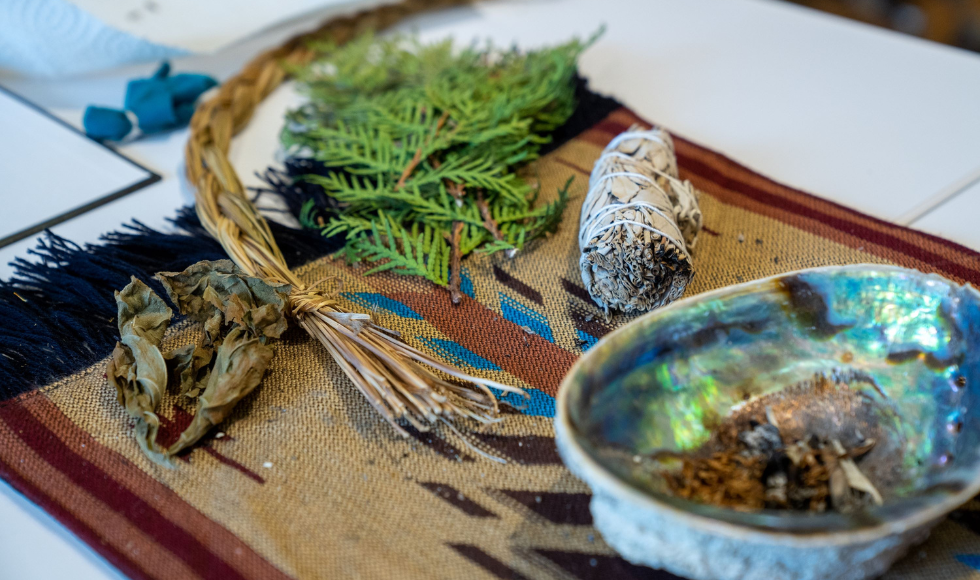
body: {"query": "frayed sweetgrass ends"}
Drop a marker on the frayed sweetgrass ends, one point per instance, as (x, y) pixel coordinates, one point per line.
(398, 380)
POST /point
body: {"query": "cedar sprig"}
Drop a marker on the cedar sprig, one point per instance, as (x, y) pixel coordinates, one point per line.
(422, 146)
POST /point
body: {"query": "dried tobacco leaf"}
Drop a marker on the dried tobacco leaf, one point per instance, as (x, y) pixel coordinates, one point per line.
(137, 368)
(192, 367)
(213, 292)
(219, 295)
(242, 360)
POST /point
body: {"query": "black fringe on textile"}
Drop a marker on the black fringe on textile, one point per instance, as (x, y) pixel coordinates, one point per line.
(295, 193)
(590, 109)
(59, 313)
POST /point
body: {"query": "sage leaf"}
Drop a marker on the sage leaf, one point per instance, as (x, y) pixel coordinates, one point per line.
(857, 480)
(217, 292)
(238, 368)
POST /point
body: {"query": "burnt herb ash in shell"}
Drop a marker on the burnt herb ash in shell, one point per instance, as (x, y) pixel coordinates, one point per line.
(757, 465)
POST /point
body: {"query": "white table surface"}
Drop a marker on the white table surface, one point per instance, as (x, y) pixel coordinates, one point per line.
(956, 219)
(880, 122)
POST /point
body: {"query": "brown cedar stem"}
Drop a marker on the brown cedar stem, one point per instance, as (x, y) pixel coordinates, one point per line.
(417, 158)
(455, 189)
(488, 221)
(455, 279)
(409, 168)
(442, 121)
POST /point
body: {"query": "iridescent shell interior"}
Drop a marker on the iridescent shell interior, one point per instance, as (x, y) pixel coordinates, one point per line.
(907, 340)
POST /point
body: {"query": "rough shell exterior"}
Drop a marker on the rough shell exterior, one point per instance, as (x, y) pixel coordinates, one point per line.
(663, 539)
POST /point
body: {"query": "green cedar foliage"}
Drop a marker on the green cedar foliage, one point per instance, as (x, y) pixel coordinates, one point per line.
(418, 137)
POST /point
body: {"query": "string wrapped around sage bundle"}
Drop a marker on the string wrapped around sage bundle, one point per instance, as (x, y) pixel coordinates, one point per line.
(639, 224)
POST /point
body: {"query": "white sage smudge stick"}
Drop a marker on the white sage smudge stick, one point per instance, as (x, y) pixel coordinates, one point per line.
(639, 224)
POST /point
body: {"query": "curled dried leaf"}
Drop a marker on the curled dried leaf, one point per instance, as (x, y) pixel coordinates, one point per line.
(137, 368)
(216, 292)
(241, 362)
(853, 475)
(192, 367)
(141, 312)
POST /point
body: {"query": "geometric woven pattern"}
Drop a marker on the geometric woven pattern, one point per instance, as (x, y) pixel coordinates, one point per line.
(305, 480)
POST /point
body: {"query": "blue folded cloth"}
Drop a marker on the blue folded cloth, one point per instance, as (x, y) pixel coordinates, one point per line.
(159, 103)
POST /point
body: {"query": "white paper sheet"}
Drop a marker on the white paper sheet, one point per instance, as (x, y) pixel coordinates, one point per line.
(207, 26)
(50, 172)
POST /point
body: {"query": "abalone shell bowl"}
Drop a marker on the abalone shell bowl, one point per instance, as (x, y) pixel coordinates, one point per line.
(659, 383)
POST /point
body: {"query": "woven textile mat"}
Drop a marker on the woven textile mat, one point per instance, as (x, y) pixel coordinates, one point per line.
(307, 481)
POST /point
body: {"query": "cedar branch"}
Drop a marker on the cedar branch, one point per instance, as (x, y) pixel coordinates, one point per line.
(417, 158)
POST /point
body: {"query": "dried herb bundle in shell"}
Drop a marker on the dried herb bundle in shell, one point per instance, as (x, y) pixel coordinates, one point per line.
(639, 224)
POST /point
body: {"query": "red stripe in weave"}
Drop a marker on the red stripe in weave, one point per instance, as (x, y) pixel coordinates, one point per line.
(100, 485)
(91, 537)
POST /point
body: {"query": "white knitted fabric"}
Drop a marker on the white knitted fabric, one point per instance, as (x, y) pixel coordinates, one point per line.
(56, 38)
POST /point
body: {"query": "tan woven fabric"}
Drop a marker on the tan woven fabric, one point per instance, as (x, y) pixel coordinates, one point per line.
(309, 482)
